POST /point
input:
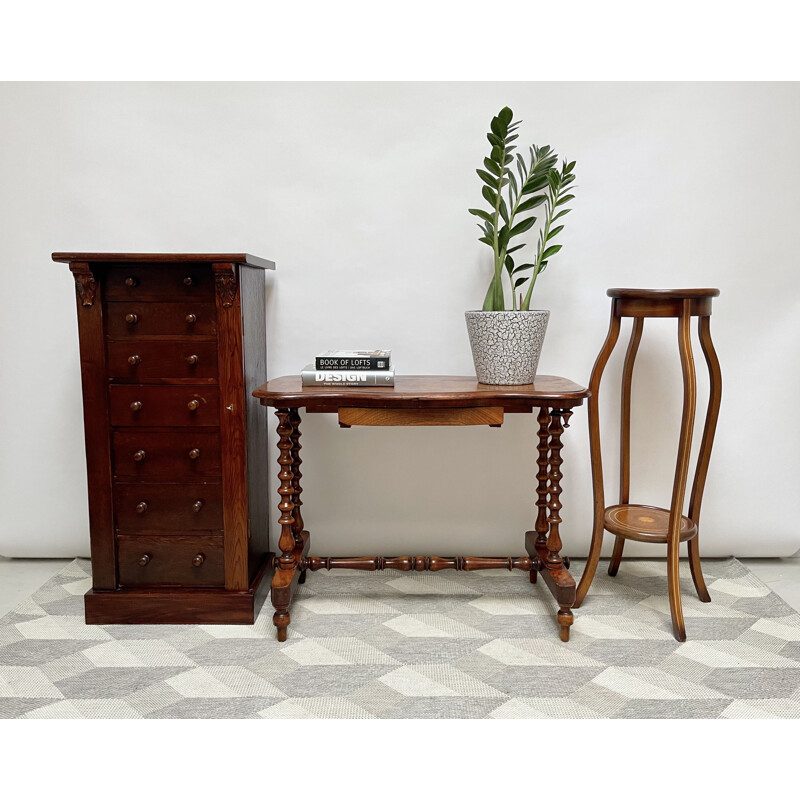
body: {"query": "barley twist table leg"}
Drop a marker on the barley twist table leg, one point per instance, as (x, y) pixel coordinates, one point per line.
(297, 527)
(553, 559)
(287, 544)
(543, 448)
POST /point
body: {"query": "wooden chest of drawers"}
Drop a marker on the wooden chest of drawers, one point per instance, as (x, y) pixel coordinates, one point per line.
(172, 346)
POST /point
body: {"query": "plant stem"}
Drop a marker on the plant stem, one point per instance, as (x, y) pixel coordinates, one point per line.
(551, 206)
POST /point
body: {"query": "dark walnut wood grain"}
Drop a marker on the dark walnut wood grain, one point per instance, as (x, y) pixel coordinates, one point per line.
(176, 535)
(183, 361)
(166, 260)
(423, 391)
(158, 559)
(424, 400)
(628, 520)
(169, 507)
(376, 417)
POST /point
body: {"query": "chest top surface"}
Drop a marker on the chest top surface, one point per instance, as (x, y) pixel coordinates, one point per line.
(165, 258)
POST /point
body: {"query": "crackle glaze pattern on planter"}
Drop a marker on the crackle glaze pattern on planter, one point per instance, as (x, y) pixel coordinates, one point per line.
(506, 345)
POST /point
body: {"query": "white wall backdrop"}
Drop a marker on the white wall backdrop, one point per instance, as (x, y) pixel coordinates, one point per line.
(360, 192)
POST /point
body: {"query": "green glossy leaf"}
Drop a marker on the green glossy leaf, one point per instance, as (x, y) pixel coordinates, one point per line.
(509, 264)
(502, 237)
(531, 202)
(489, 195)
(479, 212)
(506, 115)
(509, 159)
(534, 185)
(503, 209)
(515, 248)
(495, 141)
(510, 139)
(499, 128)
(543, 165)
(519, 281)
(524, 266)
(488, 179)
(491, 166)
(551, 251)
(554, 231)
(513, 181)
(523, 226)
(565, 199)
(521, 169)
(569, 167)
(487, 240)
(497, 154)
(561, 213)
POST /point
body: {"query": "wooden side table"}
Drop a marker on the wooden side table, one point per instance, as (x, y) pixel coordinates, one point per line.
(627, 520)
(425, 400)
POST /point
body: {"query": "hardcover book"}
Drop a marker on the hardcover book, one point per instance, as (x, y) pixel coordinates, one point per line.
(354, 359)
(354, 377)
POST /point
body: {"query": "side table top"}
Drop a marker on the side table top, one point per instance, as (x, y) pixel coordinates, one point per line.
(423, 391)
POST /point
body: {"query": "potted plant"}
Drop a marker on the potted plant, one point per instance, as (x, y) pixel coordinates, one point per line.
(506, 344)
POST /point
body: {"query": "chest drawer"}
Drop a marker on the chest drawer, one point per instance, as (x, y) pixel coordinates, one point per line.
(159, 283)
(134, 319)
(164, 406)
(170, 560)
(168, 506)
(141, 361)
(177, 456)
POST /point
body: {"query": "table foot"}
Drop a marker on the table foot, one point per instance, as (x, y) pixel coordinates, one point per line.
(558, 580)
(281, 620)
(302, 578)
(565, 619)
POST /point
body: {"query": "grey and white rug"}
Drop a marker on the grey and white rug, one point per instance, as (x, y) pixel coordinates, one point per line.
(398, 645)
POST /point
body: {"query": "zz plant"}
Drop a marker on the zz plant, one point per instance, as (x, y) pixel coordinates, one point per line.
(537, 182)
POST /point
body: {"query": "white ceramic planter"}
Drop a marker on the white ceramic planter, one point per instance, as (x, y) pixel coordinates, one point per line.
(506, 345)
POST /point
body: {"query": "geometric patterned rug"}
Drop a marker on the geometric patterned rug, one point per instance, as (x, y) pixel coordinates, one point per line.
(437, 645)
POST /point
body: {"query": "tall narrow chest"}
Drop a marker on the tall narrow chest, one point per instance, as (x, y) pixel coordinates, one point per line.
(172, 346)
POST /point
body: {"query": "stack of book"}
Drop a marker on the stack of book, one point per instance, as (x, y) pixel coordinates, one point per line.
(350, 368)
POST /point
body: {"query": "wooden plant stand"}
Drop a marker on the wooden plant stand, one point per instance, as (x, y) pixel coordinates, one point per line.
(647, 523)
(425, 400)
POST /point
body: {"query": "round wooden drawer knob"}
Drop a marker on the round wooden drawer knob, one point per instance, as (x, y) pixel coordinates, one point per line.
(134, 360)
(193, 405)
(190, 318)
(192, 360)
(139, 455)
(194, 453)
(144, 560)
(131, 319)
(187, 281)
(131, 281)
(197, 506)
(141, 507)
(198, 560)
(136, 405)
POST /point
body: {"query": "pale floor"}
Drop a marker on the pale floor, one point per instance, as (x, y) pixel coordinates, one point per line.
(21, 577)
